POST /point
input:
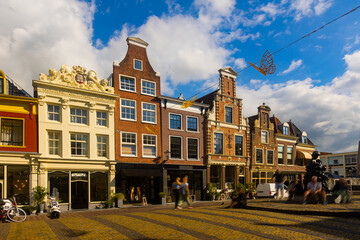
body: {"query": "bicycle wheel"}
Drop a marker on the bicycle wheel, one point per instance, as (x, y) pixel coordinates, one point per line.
(16, 214)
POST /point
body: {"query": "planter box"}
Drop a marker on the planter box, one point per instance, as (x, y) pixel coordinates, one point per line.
(120, 203)
(163, 201)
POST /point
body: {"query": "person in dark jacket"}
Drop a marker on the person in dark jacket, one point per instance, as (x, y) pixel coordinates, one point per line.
(239, 200)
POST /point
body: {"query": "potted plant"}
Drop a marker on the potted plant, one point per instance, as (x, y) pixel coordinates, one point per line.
(251, 189)
(163, 198)
(120, 199)
(39, 197)
(29, 209)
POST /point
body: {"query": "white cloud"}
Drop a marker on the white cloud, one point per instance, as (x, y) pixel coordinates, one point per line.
(308, 8)
(240, 63)
(329, 114)
(294, 65)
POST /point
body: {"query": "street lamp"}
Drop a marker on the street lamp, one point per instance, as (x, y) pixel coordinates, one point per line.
(167, 155)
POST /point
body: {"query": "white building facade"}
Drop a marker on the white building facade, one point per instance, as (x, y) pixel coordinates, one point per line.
(76, 136)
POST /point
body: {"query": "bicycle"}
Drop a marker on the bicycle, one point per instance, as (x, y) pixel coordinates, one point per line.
(11, 211)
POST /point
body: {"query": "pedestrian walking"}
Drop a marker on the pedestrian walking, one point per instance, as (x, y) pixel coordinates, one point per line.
(175, 190)
(279, 183)
(184, 192)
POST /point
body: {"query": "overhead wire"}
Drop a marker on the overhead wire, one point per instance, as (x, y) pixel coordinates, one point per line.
(297, 40)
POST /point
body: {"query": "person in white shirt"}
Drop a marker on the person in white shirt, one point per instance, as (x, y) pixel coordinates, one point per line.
(314, 188)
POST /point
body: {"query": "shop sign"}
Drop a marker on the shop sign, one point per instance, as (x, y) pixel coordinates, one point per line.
(79, 176)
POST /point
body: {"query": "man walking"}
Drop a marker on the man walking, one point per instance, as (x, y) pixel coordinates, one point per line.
(279, 183)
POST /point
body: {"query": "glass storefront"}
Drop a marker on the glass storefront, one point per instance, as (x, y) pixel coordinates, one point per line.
(98, 186)
(194, 179)
(59, 185)
(18, 183)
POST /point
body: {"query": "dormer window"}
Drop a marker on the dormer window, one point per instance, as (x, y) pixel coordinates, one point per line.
(138, 64)
(286, 129)
(304, 138)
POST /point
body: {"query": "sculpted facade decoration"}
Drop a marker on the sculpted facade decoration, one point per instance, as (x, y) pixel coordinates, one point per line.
(77, 77)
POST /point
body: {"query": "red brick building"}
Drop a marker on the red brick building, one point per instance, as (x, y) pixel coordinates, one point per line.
(19, 142)
(183, 139)
(137, 124)
(227, 134)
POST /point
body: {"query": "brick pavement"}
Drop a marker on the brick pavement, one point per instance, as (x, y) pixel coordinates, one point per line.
(207, 220)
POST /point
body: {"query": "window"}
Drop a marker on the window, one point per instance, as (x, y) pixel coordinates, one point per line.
(264, 137)
(148, 87)
(175, 147)
(286, 130)
(102, 142)
(138, 64)
(175, 121)
(218, 143)
(101, 119)
(238, 145)
(79, 144)
(149, 113)
(128, 109)
(54, 113)
(270, 157)
(228, 115)
(192, 124)
(280, 154)
(259, 156)
(18, 183)
(128, 144)
(78, 115)
(127, 83)
(289, 156)
(149, 146)
(98, 186)
(350, 159)
(12, 132)
(303, 139)
(60, 181)
(54, 143)
(193, 148)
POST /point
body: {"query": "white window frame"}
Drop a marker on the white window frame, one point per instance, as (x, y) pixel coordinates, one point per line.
(288, 129)
(49, 104)
(262, 157)
(240, 135)
(87, 144)
(304, 135)
(141, 64)
(222, 143)
(283, 146)
(121, 106)
(121, 145)
(181, 147)
(197, 124)
(126, 90)
(267, 136)
(142, 92)
(232, 113)
(76, 116)
(59, 140)
(142, 112)
(181, 122)
(144, 145)
(267, 157)
(106, 145)
(198, 149)
(106, 114)
(292, 155)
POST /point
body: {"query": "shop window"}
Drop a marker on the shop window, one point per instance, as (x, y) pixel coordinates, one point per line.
(12, 131)
(259, 156)
(78, 115)
(149, 113)
(54, 113)
(175, 147)
(101, 118)
(98, 186)
(18, 183)
(218, 143)
(280, 154)
(238, 145)
(149, 146)
(192, 124)
(193, 148)
(175, 121)
(147, 87)
(128, 144)
(102, 143)
(59, 185)
(215, 176)
(128, 108)
(79, 144)
(290, 156)
(54, 143)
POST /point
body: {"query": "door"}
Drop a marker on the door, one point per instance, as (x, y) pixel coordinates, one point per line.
(79, 195)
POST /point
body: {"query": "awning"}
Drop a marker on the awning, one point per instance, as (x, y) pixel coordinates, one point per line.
(305, 155)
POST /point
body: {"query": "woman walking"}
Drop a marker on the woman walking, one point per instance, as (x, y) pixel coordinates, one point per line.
(175, 189)
(184, 192)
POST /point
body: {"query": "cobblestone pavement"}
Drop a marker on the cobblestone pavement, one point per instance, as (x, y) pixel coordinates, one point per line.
(204, 221)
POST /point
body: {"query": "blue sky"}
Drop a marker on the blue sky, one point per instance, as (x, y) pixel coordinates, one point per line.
(316, 83)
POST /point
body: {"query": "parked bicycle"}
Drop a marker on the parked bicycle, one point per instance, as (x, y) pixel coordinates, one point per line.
(10, 210)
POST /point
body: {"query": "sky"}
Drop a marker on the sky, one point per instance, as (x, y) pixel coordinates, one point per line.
(317, 80)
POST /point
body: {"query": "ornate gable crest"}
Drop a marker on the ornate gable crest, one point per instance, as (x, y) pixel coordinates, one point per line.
(77, 77)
